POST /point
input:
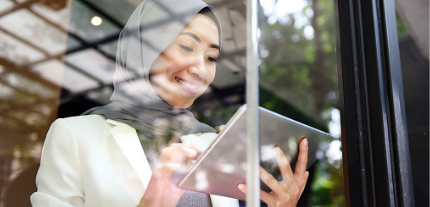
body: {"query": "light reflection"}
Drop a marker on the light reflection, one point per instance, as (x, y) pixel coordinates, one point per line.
(81, 26)
(334, 153)
(96, 21)
(334, 124)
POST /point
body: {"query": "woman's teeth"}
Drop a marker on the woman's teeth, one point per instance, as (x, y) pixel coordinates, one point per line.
(186, 84)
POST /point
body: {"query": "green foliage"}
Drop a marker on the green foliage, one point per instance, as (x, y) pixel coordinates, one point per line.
(299, 79)
(401, 27)
(299, 69)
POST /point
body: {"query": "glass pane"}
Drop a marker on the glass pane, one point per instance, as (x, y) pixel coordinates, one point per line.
(72, 43)
(28, 102)
(298, 79)
(5, 5)
(109, 48)
(111, 7)
(16, 51)
(55, 71)
(413, 32)
(31, 28)
(25, 85)
(93, 63)
(81, 23)
(59, 17)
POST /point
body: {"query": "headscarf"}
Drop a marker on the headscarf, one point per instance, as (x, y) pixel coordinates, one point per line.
(150, 29)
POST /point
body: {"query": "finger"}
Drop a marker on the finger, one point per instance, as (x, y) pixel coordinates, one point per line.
(303, 185)
(271, 199)
(186, 145)
(271, 182)
(302, 160)
(284, 166)
(264, 196)
(165, 169)
(242, 187)
(179, 153)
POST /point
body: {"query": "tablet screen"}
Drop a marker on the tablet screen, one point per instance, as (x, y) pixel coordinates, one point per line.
(222, 166)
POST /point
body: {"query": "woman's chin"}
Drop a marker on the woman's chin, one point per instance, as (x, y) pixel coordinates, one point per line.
(181, 104)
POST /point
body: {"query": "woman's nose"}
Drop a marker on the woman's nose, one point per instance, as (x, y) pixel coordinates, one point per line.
(198, 68)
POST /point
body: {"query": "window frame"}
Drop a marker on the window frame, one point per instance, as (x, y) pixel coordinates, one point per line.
(377, 165)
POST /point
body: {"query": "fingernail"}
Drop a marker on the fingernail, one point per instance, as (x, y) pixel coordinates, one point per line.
(306, 141)
(241, 187)
(191, 151)
(278, 151)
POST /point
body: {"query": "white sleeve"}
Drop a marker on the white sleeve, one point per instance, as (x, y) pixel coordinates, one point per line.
(59, 181)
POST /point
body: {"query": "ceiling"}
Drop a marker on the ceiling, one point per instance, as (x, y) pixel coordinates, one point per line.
(48, 46)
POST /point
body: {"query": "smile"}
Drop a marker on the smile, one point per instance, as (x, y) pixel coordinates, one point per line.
(188, 87)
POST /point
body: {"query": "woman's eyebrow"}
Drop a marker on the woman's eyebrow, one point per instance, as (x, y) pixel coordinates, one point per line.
(192, 35)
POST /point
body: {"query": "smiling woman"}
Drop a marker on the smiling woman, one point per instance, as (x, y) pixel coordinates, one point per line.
(184, 70)
(128, 153)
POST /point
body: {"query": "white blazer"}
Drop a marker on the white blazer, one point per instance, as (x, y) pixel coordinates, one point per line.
(93, 162)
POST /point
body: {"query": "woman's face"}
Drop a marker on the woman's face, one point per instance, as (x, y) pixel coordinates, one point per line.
(184, 70)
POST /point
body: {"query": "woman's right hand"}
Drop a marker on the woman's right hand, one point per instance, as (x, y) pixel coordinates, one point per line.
(161, 191)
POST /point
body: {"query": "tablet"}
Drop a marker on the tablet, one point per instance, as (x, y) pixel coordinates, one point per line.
(222, 166)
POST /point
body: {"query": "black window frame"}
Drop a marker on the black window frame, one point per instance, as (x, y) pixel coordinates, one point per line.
(377, 167)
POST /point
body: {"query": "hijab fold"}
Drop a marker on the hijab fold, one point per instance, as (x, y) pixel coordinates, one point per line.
(150, 29)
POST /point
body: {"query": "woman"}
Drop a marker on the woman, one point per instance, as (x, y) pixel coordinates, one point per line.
(166, 59)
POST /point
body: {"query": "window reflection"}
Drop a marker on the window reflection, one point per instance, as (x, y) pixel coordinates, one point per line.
(95, 65)
(16, 51)
(80, 23)
(5, 5)
(298, 78)
(33, 29)
(46, 51)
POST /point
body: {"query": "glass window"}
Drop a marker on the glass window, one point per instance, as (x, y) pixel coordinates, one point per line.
(413, 35)
(58, 61)
(299, 79)
(26, 25)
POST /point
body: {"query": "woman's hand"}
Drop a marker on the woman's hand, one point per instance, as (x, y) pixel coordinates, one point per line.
(287, 192)
(161, 191)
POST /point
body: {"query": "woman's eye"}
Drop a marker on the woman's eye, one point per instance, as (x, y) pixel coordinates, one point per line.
(188, 49)
(212, 59)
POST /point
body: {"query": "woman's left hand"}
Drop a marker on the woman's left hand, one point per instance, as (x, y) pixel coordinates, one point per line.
(287, 192)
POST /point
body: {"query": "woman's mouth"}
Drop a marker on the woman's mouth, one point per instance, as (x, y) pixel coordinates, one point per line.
(187, 86)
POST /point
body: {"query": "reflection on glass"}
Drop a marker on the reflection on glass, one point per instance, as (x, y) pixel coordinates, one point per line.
(59, 17)
(298, 78)
(224, 162)
(16, 51)
(101, 96)
(5, 5)
(80, 23)
(93, 63)
(109, 48)
(31, 28)
(415, 77)
(72, 43)
(55, 71)
(25, 85)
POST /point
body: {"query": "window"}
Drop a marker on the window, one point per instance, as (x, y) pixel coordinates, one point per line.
(349, 68)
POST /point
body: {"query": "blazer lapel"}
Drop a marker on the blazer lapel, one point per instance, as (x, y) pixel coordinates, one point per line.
(126, 138)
